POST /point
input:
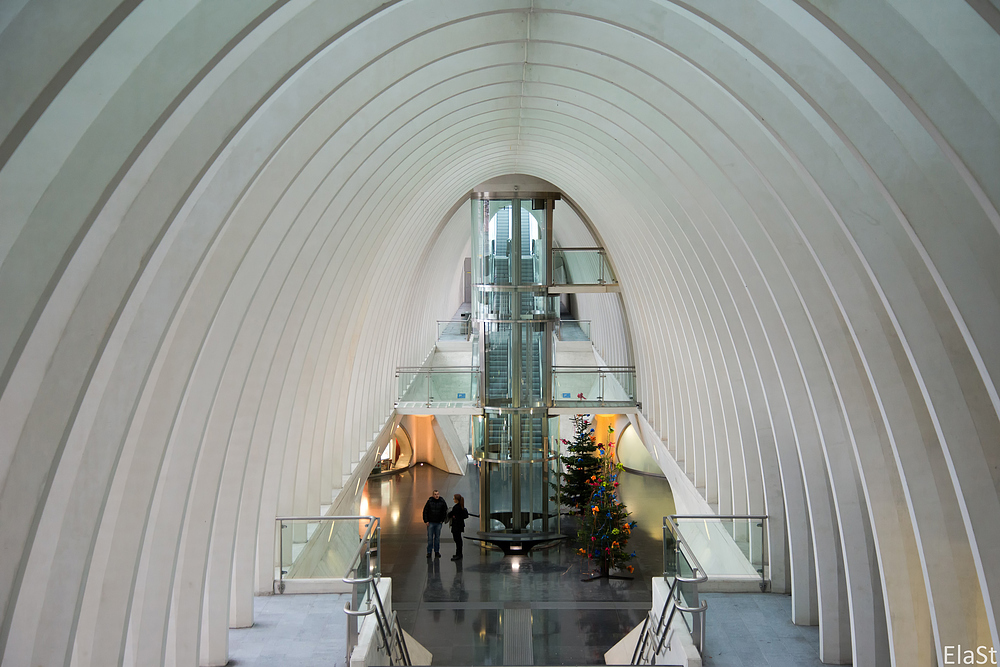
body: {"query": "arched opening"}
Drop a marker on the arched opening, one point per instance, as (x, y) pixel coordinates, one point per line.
(396, 455)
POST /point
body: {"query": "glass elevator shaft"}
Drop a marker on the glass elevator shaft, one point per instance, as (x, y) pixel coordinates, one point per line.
(515, 439)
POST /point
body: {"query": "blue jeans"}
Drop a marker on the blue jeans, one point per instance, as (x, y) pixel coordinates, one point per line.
(434, 537)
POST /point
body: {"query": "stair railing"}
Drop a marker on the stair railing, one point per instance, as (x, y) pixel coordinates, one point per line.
(393, 643)
(655, 632)
(366, 600)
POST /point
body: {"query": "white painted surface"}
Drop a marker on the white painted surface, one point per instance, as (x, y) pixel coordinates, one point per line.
(223, 229)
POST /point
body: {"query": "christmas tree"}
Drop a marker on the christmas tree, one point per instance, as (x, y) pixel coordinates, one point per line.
(580, 465)
(604, 528)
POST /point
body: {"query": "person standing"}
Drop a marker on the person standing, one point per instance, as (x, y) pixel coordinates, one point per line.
(435, 512)
(458, 514)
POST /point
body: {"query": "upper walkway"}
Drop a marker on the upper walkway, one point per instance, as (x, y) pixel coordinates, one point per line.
(447, 383)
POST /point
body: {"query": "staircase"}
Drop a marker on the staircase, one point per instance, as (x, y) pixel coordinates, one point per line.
(498, 367)
(501, 259)
(527, 273)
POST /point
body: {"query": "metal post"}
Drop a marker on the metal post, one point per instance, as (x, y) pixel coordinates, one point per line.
(549, 208)
(281, 557)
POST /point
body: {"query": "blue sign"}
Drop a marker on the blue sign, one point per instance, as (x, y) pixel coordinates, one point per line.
(461, 395)
(566, 395)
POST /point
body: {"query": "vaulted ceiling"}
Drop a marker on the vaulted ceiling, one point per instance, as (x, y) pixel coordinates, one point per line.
(225, 222)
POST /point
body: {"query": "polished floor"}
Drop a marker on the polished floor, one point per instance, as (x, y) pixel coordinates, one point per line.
(491, 610)
(534, 609)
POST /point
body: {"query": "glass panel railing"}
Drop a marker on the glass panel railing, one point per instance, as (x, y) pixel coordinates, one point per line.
(581, 266)
(683, 571)
(573, 330)
(442, 386)
(454, 329)
(732, 547)
(324, 547)
(514, 303)
(593, 386)
(332, 547)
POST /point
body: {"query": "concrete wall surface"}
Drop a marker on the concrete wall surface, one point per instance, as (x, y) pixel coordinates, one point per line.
(224, 223)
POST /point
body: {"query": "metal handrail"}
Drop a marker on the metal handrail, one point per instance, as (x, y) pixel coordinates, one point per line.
(645, 635)
(695, 565)
(465, 322)
(718, 516)
(739, 517)
(389, 629)
(593, 369)
(391, 633)
(436, 369)
(699, 578)
(655, 638)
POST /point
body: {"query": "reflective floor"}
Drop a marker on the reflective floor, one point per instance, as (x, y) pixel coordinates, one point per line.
(533, 609)
(518, 610)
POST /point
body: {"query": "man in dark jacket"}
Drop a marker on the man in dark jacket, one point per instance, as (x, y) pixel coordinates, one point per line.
(435, 512)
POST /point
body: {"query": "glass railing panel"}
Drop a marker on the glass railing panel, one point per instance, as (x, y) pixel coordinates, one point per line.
(514, 304)
(726, 547)
(323, 547)
(679, 566)
(443, 386)
(475, 348)
(686, 590)
(593, 386)
(581, 266)
(453, 329)
(669, 554)
(573, 330)
(574, 386)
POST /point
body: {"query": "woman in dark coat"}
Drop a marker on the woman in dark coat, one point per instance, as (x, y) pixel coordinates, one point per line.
(458, 514)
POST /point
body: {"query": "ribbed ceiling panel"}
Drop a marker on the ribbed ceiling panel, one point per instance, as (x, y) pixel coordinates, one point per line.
(226, 222)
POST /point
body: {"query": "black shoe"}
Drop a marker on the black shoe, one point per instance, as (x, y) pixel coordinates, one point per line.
(437, 554)
(456, 557)
(428, 554)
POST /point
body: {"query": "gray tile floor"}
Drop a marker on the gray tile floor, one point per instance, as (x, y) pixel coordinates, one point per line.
(301, 630)
(747, 630)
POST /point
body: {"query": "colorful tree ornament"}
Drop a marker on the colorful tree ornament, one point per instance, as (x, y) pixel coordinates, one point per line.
(605, 530)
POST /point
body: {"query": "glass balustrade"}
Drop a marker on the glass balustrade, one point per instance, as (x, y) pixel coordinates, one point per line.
(581, 266)
(438, 387)
(593, 386)
(730, 548)
(514, 303)
(682, 567)
(573, 330)
(453, 329)
(326, 547)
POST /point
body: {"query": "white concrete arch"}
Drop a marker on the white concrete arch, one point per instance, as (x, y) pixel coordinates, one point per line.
(209, 209)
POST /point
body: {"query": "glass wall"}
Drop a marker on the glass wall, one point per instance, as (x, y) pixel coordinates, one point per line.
(516, 473)
(514, 316)
(510, 241)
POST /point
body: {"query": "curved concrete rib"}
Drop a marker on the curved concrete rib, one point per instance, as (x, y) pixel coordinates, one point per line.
(226, 222)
